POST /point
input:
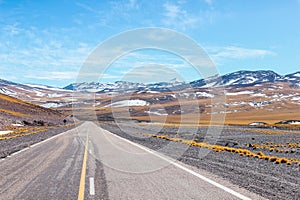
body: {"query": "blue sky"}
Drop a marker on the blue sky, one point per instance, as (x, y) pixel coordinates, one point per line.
(46, 42)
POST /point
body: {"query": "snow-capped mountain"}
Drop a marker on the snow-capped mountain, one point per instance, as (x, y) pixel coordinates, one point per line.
(39, 94)
(104, 87)
(245, 91)
(293, 78)
(239, 79)
(125, 87)
(8, 87)
(248, 78)
(35, 93)
(235, 79)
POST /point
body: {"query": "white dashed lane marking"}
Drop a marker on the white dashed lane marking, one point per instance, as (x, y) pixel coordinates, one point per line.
(92, 186)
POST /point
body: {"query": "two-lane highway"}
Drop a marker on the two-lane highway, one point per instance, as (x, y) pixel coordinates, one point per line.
(91, 163)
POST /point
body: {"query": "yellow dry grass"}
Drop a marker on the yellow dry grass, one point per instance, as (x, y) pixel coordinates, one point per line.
(21, 131)
(25, 131)
(240, 151)
(14, 100)
(12, 112)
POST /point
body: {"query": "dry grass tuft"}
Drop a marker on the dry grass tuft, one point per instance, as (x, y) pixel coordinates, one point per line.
(240, 151)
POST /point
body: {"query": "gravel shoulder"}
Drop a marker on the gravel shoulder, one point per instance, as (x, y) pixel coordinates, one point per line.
(10, 146)
(270, 180)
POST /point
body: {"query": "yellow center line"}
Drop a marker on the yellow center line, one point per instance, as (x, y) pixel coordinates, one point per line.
(83, 171)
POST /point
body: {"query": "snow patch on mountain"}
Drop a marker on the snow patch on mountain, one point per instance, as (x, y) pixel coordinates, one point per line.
(259, 104)
(204, 94)
(7, 92)
(156, 113)
(53, 105)
(297, 74)
(239, 93)
(259, 95)
(127, 103)
(296, 98)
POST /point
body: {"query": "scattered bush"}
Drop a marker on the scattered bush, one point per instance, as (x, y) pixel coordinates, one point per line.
(272, 159)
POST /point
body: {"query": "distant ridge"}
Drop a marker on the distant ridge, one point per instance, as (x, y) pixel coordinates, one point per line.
(241, 78)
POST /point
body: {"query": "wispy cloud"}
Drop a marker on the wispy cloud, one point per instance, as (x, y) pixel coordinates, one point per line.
(106, 76)
(12, 29)
(177, 17)
(45, 55)
(152, 73)
(125, 5)
(234, 52)
(106, 16)
(86, 7)
(209, 2)
(132, 4)
(50, 75)
(150, 57)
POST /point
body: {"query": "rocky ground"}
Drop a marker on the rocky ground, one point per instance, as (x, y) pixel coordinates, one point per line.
(264, 177)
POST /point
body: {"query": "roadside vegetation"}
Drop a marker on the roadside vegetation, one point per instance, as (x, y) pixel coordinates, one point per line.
(25, 131)
(285, 148)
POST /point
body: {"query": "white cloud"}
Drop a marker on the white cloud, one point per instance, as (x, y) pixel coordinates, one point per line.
(123, 9)
(209, 2)
(152, 73)
(235, 52)
(153, 57)
(181, 2)
(177, 17)
(132, 4)
(109, 76)
(107, 15)
(172, 11)
(86, 7)
(12, 29)
(45, 55)
(50, 75)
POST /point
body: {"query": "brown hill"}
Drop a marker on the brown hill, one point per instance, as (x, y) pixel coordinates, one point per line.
(15, 111)
(268, 102)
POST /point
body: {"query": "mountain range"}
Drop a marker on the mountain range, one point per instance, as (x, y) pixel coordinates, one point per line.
(235, 79)
(251, 96)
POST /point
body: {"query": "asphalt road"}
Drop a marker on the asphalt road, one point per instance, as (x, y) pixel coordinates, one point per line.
(91, 163)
